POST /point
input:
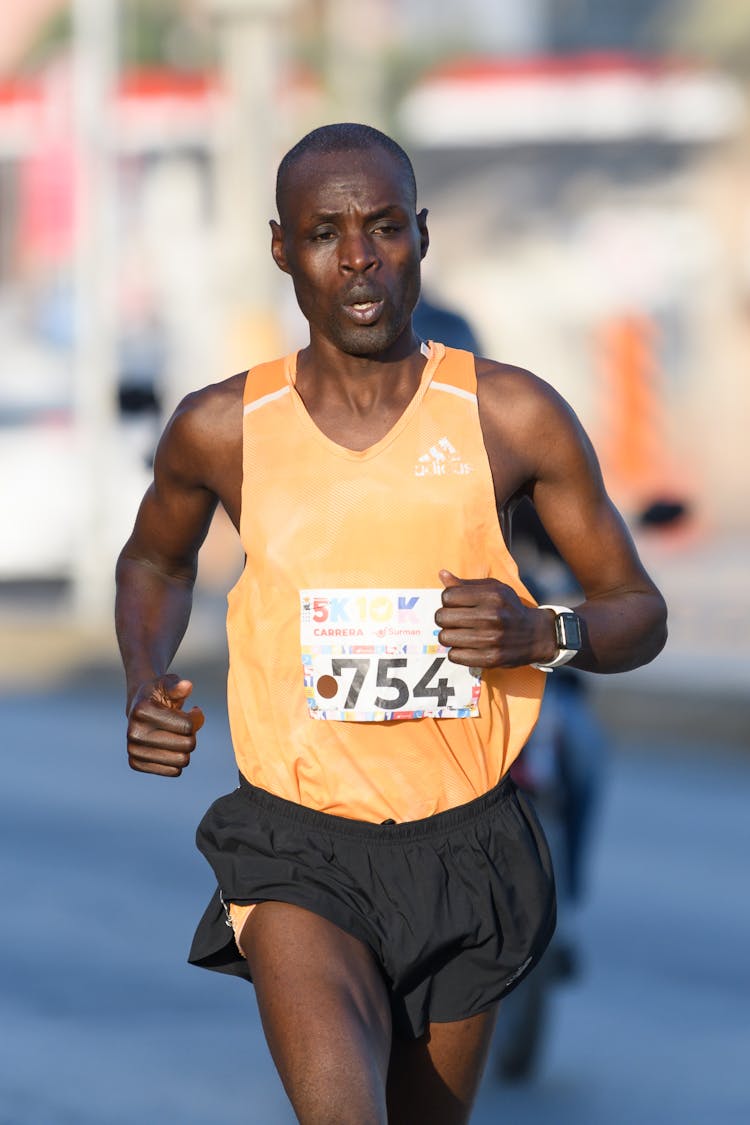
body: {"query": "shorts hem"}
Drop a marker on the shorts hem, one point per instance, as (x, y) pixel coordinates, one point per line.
(504, 991)
(328, 915)
(215, 944)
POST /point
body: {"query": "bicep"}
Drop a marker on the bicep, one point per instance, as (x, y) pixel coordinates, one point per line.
(176, 511)
(537, 447)
(571, 499)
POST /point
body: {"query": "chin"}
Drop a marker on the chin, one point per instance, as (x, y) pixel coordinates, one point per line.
(362, 348)
(373, 340)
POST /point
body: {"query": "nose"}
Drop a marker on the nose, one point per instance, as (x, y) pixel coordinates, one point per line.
(357, 252)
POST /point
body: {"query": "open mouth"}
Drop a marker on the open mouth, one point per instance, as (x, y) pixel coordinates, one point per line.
(364, 312)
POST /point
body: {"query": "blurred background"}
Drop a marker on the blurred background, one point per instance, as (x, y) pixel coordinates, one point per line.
(587, 171)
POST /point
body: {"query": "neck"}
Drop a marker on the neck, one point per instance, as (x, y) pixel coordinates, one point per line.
(322, 361)
(360, 384)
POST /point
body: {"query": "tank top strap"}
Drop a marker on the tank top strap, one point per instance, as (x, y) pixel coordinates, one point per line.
(456, 371)
(265, 382)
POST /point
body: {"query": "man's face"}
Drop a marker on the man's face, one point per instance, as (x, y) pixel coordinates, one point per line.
(352, 244)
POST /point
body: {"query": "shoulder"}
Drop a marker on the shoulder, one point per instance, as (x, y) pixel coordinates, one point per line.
(205, 426)
(215, 405)
(514, 395)
(208, 414)
(517, 383)
(524, 416)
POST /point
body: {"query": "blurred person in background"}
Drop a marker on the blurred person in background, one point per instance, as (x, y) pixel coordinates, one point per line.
(581, 742)
(433, 321)
(380, 878)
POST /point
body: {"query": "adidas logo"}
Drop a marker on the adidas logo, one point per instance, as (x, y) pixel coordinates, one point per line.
(442, 459)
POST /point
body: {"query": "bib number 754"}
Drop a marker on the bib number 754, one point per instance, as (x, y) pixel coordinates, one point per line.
(374, 687)
(441, 690)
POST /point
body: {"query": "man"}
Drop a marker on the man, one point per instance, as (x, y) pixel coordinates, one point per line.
(385, 883)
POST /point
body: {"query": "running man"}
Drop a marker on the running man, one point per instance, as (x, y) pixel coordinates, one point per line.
(384, 882)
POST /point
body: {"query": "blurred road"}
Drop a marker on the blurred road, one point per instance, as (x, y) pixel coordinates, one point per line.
(105, 1024)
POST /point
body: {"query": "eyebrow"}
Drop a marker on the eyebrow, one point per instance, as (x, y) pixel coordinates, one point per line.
(379, 213)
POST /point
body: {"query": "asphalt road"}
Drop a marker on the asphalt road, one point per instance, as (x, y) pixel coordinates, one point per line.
(105, 1024)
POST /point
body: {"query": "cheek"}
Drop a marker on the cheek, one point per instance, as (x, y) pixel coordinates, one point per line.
(312, 276)
(310, 298)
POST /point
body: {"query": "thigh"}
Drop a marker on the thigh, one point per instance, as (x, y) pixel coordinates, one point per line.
(436, 1078)
(325, 1014)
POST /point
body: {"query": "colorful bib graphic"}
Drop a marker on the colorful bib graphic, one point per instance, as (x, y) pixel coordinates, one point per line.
(374, 655)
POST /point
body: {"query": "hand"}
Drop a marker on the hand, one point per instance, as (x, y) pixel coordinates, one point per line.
(485, 624)
(161, 736)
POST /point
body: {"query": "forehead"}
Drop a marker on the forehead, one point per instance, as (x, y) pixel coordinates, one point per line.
(333, 182)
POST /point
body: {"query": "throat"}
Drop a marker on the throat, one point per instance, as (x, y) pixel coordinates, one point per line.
(358, 432)
(358, 413)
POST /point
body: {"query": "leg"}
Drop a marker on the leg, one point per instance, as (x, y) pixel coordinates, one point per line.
(436, 1078)
(325, 1013)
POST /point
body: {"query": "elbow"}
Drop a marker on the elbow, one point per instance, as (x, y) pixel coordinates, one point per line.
(142, 565)
(659, 631)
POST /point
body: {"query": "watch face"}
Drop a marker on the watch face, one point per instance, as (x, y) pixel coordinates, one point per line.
(568, 631)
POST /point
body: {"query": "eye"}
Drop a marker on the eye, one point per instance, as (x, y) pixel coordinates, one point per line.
(387, 228)
(324, 235)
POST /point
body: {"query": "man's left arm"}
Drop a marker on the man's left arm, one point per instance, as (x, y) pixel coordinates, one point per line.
(537, 447)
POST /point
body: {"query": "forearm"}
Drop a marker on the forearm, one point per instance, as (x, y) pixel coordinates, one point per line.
(621, 631)
(152, 610)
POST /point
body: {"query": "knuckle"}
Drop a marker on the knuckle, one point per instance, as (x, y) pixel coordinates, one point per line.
(140, 711)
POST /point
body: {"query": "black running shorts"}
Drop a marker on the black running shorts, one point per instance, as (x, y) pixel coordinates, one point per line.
(456, 908)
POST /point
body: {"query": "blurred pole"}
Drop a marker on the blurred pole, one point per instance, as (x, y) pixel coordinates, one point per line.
(356, 36)
(250, 45)
(94, 72)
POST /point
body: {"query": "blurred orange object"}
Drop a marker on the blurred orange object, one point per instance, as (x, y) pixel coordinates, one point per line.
(639, 465)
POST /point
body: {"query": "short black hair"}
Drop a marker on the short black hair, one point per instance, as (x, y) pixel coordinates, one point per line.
(345, 136)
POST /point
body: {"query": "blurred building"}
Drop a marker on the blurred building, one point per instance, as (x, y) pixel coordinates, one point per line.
(588, 209)
(576, 25)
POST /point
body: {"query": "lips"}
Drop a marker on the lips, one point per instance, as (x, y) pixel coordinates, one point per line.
(364, 311)
(363, 304)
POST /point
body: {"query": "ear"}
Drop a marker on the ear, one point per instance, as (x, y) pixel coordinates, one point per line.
(424, 234)
(277, 246)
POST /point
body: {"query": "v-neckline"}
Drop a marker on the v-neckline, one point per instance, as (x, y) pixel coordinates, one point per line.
(433, 352)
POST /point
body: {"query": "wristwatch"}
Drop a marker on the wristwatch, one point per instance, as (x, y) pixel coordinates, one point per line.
(567, 635)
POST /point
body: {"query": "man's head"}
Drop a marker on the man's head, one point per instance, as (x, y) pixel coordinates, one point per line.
(343, 137)
(350, 237)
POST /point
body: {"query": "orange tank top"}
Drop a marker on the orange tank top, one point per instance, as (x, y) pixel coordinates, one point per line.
(333, 654)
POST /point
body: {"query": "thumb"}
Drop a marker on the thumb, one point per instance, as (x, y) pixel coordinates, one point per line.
(172, 692)
(448, 578)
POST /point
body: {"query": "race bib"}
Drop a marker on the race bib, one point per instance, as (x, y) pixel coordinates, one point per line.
(373, 655)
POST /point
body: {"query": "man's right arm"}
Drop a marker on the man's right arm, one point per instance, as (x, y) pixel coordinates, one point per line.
(155, 575)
